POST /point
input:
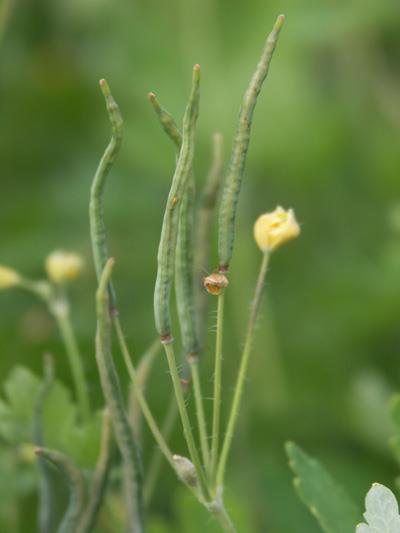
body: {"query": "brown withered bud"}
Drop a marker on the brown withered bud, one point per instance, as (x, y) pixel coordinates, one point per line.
(215, 283)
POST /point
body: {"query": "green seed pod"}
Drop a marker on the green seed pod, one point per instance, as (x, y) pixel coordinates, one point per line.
(76, 483)
(184, 275)
(166, 121)
(233, 180)
(169, 232)
(111, 387)
(96, 210)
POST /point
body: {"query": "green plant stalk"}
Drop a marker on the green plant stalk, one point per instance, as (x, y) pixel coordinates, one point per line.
(45, 514)
(187, 430)
(58, 307)
(217, 509)
(76, 483)
(233, 416)
(217, 387)
(143, 370)
(60, 312)
(234, 177)
(203, 238)
(155, 461)
(198, 398)
(142, 400)
(169, 232)
(112, 392)
(100, 478)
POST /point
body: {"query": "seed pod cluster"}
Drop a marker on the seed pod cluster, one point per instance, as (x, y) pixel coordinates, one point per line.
(169, 232)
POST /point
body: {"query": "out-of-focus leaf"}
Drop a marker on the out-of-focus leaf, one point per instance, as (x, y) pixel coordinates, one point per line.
(382, 511)
(394, 441)
(61, 429)
(327, 500)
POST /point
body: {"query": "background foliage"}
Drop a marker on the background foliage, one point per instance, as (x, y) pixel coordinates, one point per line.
(325, 142)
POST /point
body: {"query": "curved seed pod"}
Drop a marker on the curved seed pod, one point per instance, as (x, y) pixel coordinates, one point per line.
(96, 210)
(169, 232)
(184, 274)
(75, 480)
(112, 392)
(233, 180)
(100, 477)
(45, 515)
(204, 221)
(166, 121)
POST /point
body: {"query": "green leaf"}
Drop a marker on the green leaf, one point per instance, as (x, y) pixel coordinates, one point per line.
(327, 501)
(61, 428)
(382, 511)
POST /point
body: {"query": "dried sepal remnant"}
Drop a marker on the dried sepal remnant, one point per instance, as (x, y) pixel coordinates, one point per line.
(271, 230)
(233, 179)
(185, 470)
(169, 232)
(215, 283)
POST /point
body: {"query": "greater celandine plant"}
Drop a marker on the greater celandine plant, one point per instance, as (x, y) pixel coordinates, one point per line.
(183, 252)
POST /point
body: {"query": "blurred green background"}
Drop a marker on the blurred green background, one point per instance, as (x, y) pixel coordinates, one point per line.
(325, 142)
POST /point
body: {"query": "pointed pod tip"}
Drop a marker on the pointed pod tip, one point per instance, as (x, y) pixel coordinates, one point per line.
(151, 96)
(104, 87)
(196, 67)
(279, 21)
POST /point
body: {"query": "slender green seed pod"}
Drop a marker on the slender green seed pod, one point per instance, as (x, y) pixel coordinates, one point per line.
(184, 273)
(100, 477)
(169, 232)
(76, 483)
(112, 392)
(96, 210)
(166, 121)
(45, 514)
(204, 219)
(233, 180)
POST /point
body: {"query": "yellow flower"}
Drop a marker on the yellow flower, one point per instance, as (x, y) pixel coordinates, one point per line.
(63, 266)
(8, 278)
(271, 230)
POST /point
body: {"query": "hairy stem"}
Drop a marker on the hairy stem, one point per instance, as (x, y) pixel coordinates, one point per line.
(255, 305)
(217, 387)
(201, 419)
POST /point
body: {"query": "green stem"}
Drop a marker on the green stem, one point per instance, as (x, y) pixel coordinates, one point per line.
(217, 387)
(100, 478)
(61, 314)
(155, 461)
(113, 395)
(140, 396)
(201, 419)
(219, 512)
(187, 430)
(242, 371)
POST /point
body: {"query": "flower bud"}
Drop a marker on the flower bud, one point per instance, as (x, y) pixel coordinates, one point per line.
(271, 230)
(185, 470)
(215, 283)
(63, 266)
(8, 278)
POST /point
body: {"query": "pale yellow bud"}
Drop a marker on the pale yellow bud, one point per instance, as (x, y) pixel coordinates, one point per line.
(63, 266)
(8, 278)
(271, 230)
